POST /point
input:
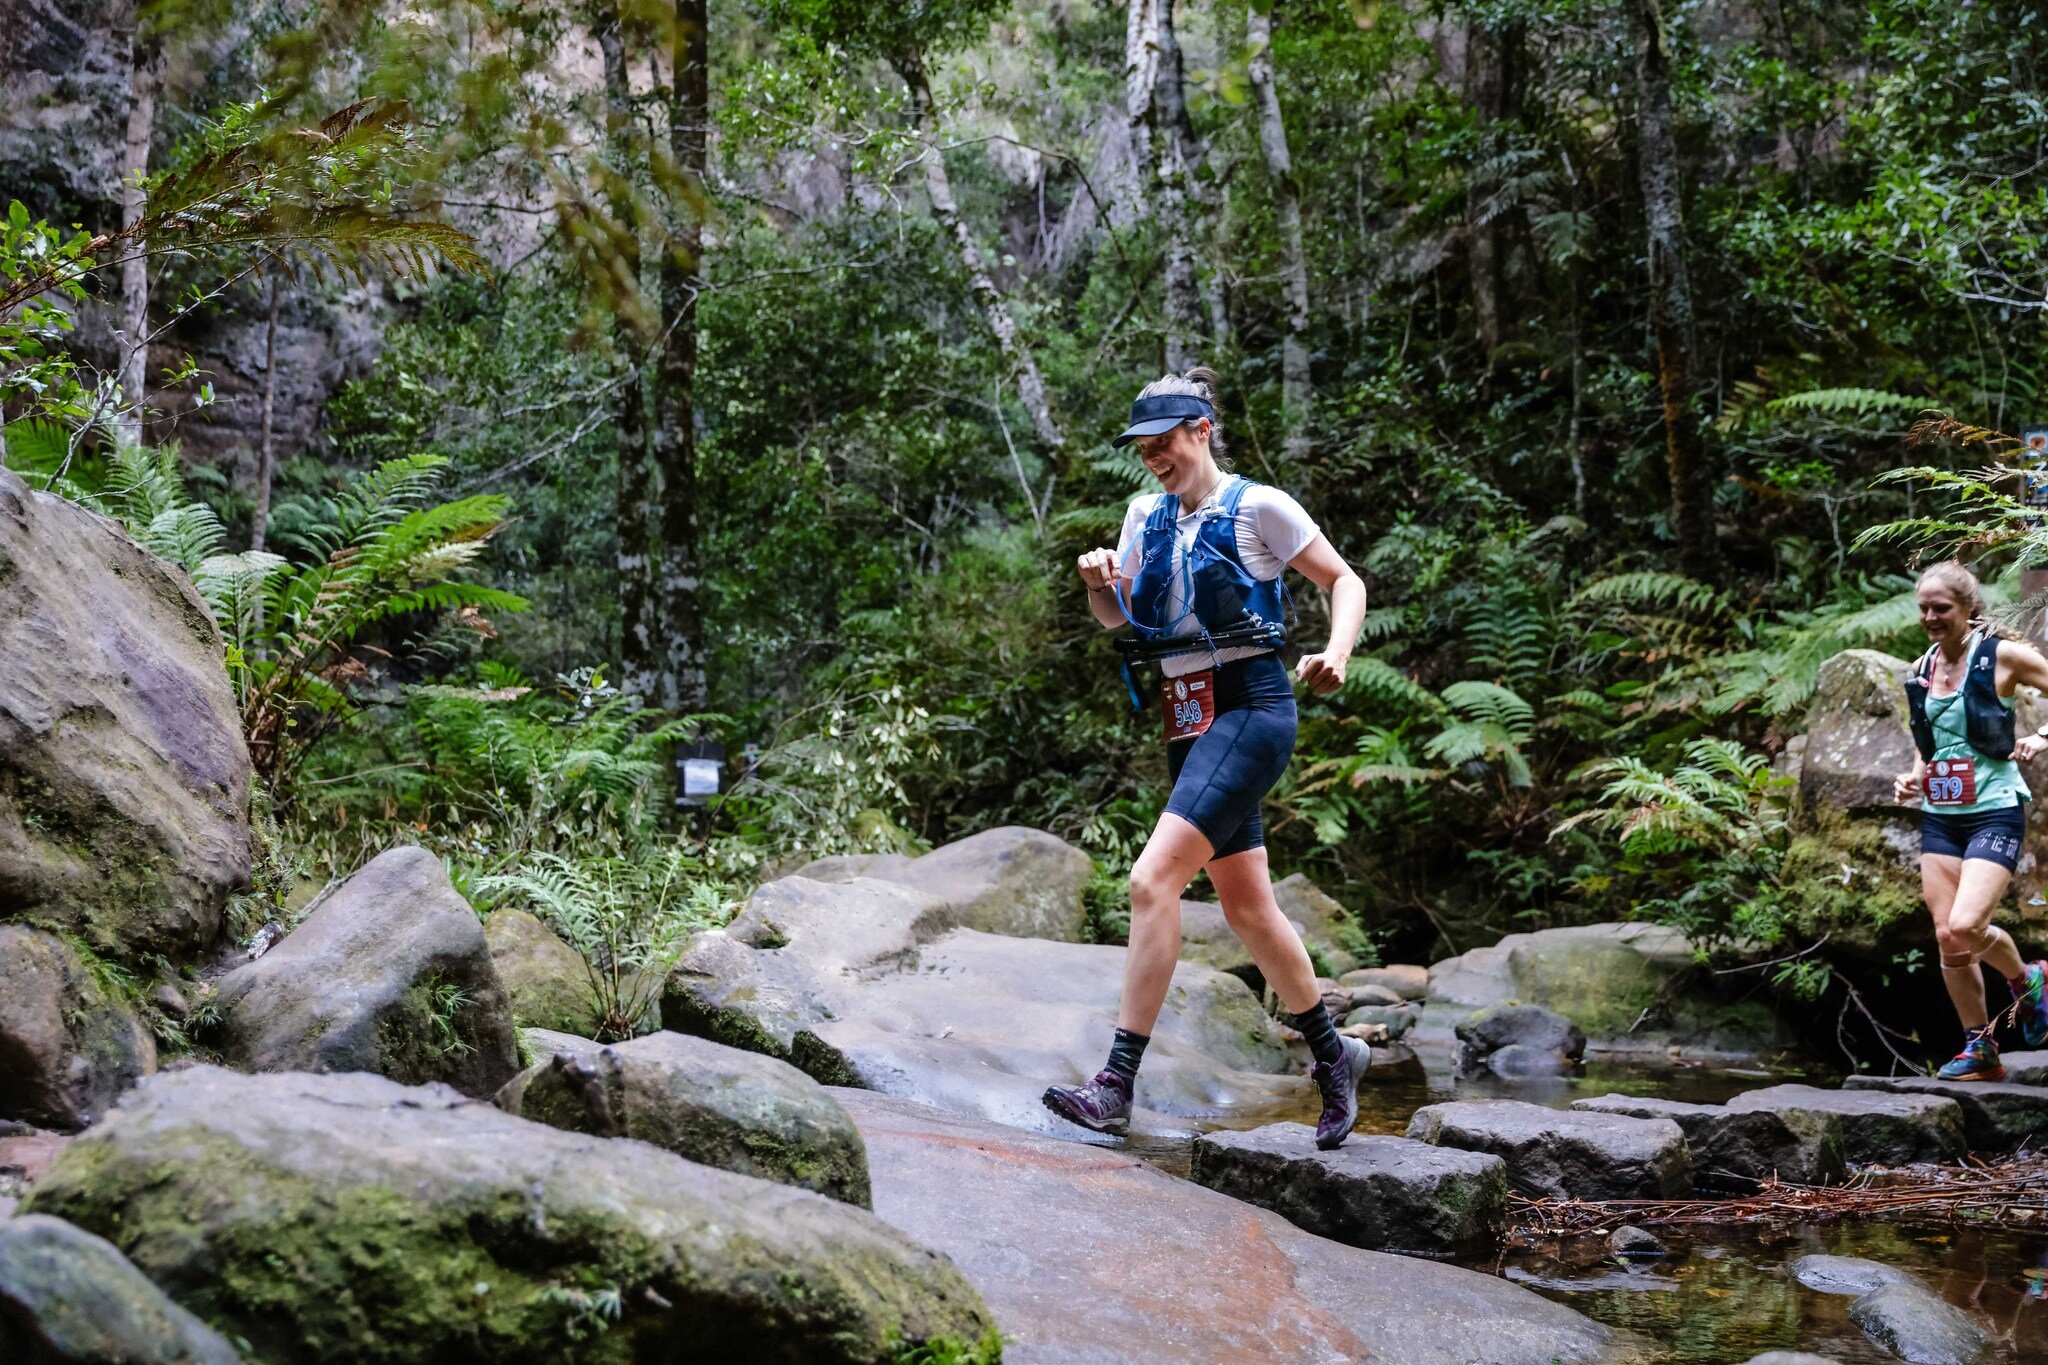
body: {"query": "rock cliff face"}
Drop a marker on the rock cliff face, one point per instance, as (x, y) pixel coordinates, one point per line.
(124, 779)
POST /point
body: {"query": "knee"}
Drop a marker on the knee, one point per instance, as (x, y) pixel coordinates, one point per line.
(1151, 892)
(1960, 944)
(1252, 916)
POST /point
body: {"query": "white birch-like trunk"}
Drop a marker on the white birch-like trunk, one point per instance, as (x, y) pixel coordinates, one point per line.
(1295, 393)
(995, 307)
(259, 525)
(132, 332)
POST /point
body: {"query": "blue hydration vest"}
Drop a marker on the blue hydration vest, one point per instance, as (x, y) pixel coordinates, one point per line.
(1229, 605)
(1988, 723)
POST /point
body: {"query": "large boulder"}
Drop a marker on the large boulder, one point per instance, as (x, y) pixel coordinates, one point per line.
(738, 1111)
(1629, 987)
(124, 779)
(870, 983)
(1737, 1149)
(1014, 881)
(1207, 938)
(1996, 1115)
(1090, 1254)
(1916, 1324)
(1878, 1129)
(68, 1296)
(67, 1048)
(1404, 979)
(1565, 1154)
(547, 980)
(1386, 1193)
(388, 973)
(347, 1217)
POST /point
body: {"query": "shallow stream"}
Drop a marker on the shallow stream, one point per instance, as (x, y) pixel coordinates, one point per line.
(1726, 1293)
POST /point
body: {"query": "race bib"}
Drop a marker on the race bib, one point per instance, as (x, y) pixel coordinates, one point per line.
(1189, 703)
(1951, 782)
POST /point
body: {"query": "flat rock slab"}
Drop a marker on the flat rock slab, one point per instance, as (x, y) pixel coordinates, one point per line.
(1996, 1114)
(1012, 880)
(1385, 1193)
(66, 1295)
(1917, 1324)
(2026, 1068)
(1736, 1149)
(1088, 1255)
(1562, 1153)
(1878, 1128)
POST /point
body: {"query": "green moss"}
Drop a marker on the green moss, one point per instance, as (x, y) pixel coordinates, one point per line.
(1843, 878)
(430, 1028)
(988, 1350)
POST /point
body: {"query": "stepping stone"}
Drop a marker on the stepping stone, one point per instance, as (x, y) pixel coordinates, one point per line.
(1917, 1324)
(2026, 1068)
(1996, 1114)
(1381, 1193)
(1562, 1153)
(1736, 1150)
(1878, 1128)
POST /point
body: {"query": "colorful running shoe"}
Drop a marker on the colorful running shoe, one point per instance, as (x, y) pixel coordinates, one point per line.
(2030, 1006)
(1104, 1104)
(1978, 1061)
(1339, 1083)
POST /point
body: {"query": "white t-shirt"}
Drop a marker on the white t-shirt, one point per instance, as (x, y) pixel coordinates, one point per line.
(1272, 528)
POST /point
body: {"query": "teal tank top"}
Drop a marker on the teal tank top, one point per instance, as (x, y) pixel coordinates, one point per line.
(1999, 783)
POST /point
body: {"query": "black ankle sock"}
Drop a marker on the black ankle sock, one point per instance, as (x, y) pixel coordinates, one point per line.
(1316, 1026)
(1125, 1054)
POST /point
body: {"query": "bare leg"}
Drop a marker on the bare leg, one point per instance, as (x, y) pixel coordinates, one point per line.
(1962, 894)
(1172, 857)
(1245, 887)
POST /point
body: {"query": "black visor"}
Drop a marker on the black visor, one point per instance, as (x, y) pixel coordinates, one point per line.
(1162, 412)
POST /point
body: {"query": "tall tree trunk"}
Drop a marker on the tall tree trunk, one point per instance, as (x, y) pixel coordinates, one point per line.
(1490, 58)
(994, 307)
(1141, 79)
(1174, 122)
(1295, 393)
(1172, 177)
(259, 523)
(633, 493)
(683, 684)
(145, 75)
(1671, 313)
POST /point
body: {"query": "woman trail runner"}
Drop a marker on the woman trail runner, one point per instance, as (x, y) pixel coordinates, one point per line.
(1196, 573)
(1973, 806)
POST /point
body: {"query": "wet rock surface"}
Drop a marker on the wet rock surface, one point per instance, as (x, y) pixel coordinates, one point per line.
(1168, 1270)
(1383, 1193)
(870, 983)
(1735, 1149)
(738, 1111)
(1996, 1115)
(124, 778)
(1554, 1153)
(389, 973)
(1850, 1275)
(1015, 881)
(1520, 1040)
(346, 1217)
(68, 1296)
(2026, 1068)
(546, 980)
(1918, 1325)
(1882, 1129)
(66, 1048)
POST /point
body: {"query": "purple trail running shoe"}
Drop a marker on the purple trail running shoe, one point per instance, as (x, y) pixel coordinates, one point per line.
(1339, 1083)
(1104, 1104)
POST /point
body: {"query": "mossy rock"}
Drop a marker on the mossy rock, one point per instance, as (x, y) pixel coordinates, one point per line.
(547, 980)
(68, 1044)
(66, 1295)
(346, 1217)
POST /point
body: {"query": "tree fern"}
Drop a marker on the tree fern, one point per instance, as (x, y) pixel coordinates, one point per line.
(1837, 402)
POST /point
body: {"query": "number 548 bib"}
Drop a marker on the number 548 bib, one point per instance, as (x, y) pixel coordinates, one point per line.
(1951, 782)
(1189, 704)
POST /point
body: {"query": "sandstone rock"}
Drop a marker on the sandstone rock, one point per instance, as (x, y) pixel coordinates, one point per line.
(1319, 917)
(1629, 987)
(869, 983)
(1041, 1226)
(66, 1048)
(738, 1111)
(124, 780)
(346, 1217)
(1877, 1128)
(68, 1296)
(1636, 1244)
(1520, 1040)
(1736, 1149)
(1393, 1020)
(1385, 1193)
(1916, 1324)
(1996, 1115)
(539, 1044)
(547, 980)
(388, 973)
(1206, 937)
(1373, 995)
(1553, 1153)
(1014, 881)
(1856, 737)
(2026, 1068)
(1790, 1358)
(1407, 981)
(1850, 1275)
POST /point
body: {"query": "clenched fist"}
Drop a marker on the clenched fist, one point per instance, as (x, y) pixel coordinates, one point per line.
(1098, 569)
